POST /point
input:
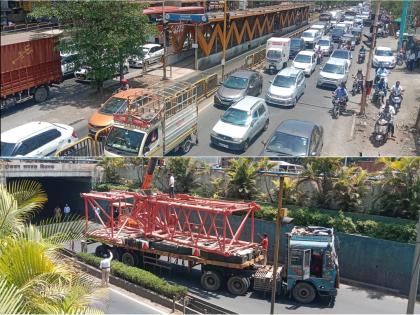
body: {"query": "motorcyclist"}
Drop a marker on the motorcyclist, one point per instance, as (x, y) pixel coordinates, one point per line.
(388, 113)
(397, 89)
(341, 93)
(318, 55)
(381, 71)
(359, 77)
(382, 86)
(348, 45)
(124, 85)
(362, 50)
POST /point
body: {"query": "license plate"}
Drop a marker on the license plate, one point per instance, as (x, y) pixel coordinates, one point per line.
(223, 145)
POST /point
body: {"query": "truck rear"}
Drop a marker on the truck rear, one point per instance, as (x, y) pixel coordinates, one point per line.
(277, 53)
(30, 64)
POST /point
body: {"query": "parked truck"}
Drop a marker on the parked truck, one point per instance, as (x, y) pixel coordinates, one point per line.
(153, 229)
(165, 121)
(277, 53)
(30, 64)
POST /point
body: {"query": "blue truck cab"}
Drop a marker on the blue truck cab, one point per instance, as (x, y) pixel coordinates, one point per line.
(312, 263)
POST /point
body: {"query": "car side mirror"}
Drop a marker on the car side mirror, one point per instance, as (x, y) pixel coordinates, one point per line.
(146, 149)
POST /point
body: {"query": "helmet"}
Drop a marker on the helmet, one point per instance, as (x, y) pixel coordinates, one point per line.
(343, 85)
(382, 79)
(397, 83)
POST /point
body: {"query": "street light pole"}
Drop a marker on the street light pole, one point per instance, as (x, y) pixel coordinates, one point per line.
(164, 40)
(279, 218)
(370, 56)
(415, 271)
(224, 38)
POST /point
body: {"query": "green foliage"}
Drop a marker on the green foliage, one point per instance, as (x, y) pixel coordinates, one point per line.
(399, 190)
(138, 276)
(185, 171)
(111, 166)
(103, 33)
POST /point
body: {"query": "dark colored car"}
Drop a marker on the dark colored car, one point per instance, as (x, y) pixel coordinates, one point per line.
(357, 32)
(238, 85)
(296, 45)
(295, 138)
(336, 35)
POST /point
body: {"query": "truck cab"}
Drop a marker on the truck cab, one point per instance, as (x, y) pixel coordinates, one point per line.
(277, 55)
(312, 263)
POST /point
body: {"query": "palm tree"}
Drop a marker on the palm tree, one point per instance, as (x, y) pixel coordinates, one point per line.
(242, 174)
(34, 278)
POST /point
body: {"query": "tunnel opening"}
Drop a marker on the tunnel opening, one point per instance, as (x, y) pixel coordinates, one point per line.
(61, 191)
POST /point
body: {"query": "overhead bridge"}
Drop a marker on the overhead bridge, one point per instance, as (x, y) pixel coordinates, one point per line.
(245, 30)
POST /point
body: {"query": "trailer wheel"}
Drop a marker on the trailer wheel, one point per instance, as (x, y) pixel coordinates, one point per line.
(129, 259)
(238, 285)
(211, 280)
(304, 292)
(41, 94)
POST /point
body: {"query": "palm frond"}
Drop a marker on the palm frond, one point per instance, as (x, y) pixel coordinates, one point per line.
(29, 194)
(9, 219)
(59, 232)
(11, 300)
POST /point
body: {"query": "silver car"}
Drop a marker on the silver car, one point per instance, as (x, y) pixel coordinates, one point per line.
(286, 88)
(333, 73)
(240, 124)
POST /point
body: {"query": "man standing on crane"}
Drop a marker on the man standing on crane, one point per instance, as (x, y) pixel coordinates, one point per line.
(264, 246)
(171, 185)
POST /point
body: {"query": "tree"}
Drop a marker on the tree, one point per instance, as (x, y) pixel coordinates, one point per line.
(399, 188)
(111, 165)
(103, 33)
(33, 276)
(185, 171)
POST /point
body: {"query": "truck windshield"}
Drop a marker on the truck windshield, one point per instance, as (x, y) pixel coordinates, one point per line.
(274, 54)
(236, 117)
(236, 83)
(114, 105)
(124, 142)
(284, 81)
(7, 148)
(295, 43)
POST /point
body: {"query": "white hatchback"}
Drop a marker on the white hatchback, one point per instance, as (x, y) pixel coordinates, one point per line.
(384, 57)
(306, 61)
(36, 139)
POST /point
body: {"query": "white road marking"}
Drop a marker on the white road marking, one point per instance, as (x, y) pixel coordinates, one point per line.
(137, 301)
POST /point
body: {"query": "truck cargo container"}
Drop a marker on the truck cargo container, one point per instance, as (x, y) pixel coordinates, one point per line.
(30, 64)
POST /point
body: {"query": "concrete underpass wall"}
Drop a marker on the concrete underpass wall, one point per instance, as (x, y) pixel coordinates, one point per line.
(364, 259)
(61, 190)
(215, 59)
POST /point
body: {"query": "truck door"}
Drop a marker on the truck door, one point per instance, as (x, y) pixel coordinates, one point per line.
(299, 264)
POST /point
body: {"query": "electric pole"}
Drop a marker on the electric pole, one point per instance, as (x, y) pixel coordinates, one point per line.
(414, 274)
(224, 37)
(403, 23)
(165, 30)
(279, 218)
(370, 56)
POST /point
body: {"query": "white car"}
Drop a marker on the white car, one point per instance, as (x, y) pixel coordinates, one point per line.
(342, 54)
(288, 85)
(151, 53)
(67, 63)
(36, 139)
(83, 74)
(305, 60)
(326, 45)
(383, 56)
(311, 37)
(333, 73)
(240, 124)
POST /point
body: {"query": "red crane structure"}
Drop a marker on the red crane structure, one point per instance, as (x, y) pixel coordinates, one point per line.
(197, 223)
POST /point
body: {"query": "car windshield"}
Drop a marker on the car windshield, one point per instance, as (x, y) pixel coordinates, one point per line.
(295, 43)
(273, 54)
(114, 105)
(385, 53)
(342, 54)
(303, 58)
(145, 50)
(330, 68)
(284, 81)
(308, 34)
(236, 83)
(287, 144)
(324, 42)
(124, 142)
(236, 117)
(7, 148)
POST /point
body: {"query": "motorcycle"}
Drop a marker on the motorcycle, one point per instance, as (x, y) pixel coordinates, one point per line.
(380, 132)
(400, 59)
(357, 86)
(378, 97)
(361, 57)
(339, 106)
(395, 100)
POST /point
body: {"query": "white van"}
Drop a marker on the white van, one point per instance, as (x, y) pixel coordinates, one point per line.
(311, 37)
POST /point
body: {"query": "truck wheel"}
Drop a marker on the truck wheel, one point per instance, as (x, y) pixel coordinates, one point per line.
(101, 250)
(304, 292)
(41, 94)
(129, 259)
(211, 280)
(238, 285)
(186, 146)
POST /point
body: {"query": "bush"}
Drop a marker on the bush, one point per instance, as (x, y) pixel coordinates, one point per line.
(138, 276)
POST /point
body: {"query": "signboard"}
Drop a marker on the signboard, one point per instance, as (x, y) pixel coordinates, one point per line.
(194, 18)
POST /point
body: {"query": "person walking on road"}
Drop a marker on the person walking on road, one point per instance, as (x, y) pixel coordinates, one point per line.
(57, 212)
(105, 267)
(411, 60)
(171, 185)
(67, 210)
(264, 246)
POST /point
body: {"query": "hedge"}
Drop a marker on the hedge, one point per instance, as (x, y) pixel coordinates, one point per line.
(138, 276)
(400, 231)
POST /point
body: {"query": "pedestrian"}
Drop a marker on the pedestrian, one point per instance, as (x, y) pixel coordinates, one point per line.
(105, 267)
(66, 210)
(264, 247)
(171, 185)
(57, 212)
(411, 60)
(418, 58)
